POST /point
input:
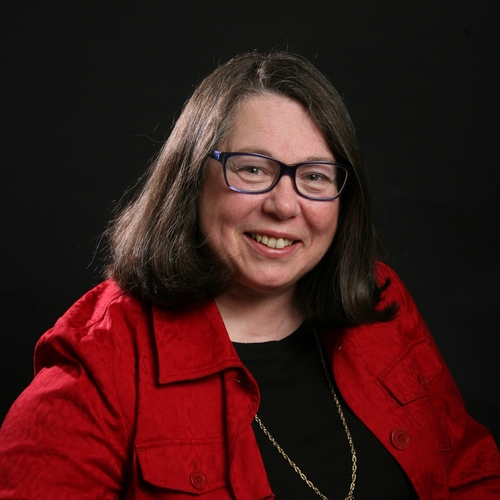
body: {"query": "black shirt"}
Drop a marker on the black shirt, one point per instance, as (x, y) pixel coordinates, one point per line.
(299, 411)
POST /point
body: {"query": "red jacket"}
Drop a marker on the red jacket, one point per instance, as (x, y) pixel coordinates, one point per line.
(130, 401)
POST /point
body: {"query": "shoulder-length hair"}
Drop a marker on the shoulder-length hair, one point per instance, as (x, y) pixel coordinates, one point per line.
(156, 248)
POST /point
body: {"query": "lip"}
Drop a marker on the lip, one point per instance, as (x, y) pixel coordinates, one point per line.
(274, 234)
(273, 252)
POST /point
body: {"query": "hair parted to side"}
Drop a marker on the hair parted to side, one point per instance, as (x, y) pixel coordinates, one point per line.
(156, 248)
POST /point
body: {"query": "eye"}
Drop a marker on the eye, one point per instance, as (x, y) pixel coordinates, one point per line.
(316, 174)
(316, 177)
(250, 170)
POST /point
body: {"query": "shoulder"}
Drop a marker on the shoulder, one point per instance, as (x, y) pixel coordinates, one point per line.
(105, 319)
(84, 393)
(382, 343)
(392, 286)
(106, 299)
(407, 321)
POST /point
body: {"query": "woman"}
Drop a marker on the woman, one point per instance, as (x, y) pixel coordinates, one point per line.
(248, 343)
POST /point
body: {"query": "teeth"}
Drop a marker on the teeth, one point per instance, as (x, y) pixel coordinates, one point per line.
(271, 242)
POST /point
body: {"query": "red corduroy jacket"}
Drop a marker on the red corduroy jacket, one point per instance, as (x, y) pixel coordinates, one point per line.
(133, 402)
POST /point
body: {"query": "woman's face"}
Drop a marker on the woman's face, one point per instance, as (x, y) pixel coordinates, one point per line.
(280, 128)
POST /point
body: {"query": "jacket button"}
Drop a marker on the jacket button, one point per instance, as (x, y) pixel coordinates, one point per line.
(400, 439)
(198, 480)
(424, 381)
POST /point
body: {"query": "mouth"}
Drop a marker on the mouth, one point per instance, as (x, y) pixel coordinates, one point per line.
(270, 241)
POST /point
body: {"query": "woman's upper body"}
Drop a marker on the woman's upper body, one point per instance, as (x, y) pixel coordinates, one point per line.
(255, 219)
(133, 401)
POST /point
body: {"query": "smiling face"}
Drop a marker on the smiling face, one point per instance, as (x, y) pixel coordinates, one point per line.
(270, 240)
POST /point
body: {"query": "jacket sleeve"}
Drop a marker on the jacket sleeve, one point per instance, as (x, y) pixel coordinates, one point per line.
(68, 436)
(474, 466)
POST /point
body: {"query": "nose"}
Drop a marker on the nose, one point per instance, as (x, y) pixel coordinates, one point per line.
(282, 201)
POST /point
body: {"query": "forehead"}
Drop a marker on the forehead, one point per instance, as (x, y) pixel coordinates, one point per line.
(276, 126)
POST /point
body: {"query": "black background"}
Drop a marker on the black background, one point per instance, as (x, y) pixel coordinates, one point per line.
(91, 89)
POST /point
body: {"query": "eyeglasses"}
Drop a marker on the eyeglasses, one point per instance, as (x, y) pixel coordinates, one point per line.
(253, 174)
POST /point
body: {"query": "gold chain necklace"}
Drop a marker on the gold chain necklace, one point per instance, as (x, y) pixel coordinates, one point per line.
(350, 495)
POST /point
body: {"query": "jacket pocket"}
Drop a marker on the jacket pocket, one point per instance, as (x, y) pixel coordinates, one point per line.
(194, 466)
(409, 380)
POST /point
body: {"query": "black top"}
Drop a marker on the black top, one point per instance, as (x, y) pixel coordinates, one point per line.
(299, 411)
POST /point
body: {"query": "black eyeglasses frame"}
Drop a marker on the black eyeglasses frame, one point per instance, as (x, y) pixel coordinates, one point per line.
(285, 169)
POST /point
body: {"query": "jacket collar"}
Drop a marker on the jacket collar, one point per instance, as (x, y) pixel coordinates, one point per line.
(193, 343)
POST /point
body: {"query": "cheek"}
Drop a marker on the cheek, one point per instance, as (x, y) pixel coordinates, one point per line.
(220, 215)
(325, 221)
(209, 205)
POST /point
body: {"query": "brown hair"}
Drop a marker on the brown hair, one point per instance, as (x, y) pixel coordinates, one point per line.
(156, 249)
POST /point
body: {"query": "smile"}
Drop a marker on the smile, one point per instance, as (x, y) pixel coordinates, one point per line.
(271, 242)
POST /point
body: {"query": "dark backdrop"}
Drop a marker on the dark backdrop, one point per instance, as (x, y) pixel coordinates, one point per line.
(90, 91)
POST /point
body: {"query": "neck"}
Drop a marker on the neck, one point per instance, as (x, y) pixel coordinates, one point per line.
(256, 317)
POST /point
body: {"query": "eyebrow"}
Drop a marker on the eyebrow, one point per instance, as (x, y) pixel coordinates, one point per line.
(263, 152)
